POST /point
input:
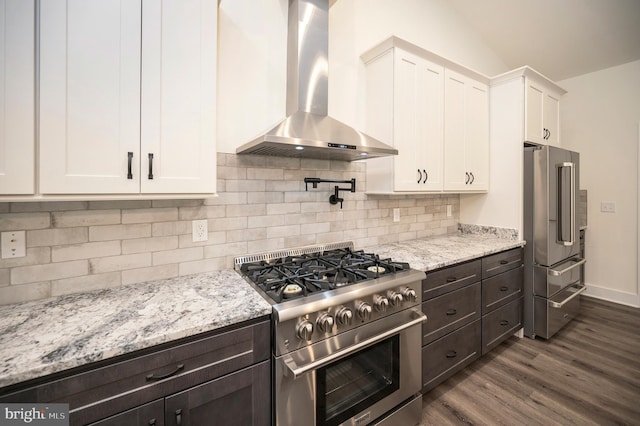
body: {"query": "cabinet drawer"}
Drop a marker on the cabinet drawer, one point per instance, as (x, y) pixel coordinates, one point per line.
(114, 387)
(148, 414)
(498, 325)
(450, 311)
(450, 354)
(451, 278)
(501, 262)
(501, 289)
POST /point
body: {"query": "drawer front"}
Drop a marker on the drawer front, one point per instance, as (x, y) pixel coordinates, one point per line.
(116, 387)
(451, 278)
(548, 319)
(498, 325)
(450, 311)
(501, 262)
(450, 354)
(501, 289)
(148, 414)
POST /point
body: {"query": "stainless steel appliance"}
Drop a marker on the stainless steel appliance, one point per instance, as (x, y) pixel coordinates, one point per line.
(552, 254)
(347, 330)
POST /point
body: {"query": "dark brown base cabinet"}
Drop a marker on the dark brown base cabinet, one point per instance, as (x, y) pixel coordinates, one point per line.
(471, 308)
(221, 377)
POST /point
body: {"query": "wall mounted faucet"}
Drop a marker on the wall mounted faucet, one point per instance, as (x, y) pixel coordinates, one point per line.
(335, 197)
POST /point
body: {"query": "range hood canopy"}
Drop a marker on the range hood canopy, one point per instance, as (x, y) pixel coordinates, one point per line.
(308, 131)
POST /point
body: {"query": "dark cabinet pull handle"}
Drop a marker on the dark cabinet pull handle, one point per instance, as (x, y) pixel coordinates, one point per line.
(452, 354)
(504, 322)
(150, 166)
(426, 176)
(466, 182)
(152, 422)
(178, 416)
(504, 288)
(472, 178)
(152, 376)
(504, 262)
(451, 279)
(419, 175)
(452, 312)
(129, 160)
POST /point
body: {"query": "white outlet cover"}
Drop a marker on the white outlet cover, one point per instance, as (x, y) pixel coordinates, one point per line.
(13, 244)
(199, 230)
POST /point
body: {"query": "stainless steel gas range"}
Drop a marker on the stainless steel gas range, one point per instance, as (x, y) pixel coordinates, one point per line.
(346, 335)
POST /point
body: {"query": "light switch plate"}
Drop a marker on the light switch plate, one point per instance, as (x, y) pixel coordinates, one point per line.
(13, 244)
(608, 206)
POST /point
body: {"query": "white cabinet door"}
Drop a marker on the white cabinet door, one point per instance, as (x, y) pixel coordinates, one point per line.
(17, 18)
(418, 123)
(89, 96)
(178, 96)
(534, 120)
(551, 109)
(466, 136)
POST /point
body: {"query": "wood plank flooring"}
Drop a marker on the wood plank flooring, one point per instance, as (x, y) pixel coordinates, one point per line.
(587, 374)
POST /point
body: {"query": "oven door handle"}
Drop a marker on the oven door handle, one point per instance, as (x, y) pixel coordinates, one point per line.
(565, 301)
(299, 371)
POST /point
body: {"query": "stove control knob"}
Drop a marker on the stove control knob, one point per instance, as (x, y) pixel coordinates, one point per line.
(344, 316)
(304, 330)
(395, 298)
(409, 294)
(380, 302)
(325, 322)
(364, 311)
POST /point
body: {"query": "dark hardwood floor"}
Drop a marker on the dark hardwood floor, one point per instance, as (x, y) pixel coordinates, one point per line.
(587, 374)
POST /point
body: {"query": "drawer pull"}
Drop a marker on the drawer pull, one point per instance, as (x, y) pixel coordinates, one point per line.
(504, 288)
(178, 416)
(452, 312)
(152, 376)
(451, 279)
(504, 322)
(504, 262)
(452, 354)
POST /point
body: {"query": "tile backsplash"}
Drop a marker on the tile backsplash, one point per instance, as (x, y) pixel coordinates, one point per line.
(261, 205)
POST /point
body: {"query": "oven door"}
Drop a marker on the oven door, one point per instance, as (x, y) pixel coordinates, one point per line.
(352, 378)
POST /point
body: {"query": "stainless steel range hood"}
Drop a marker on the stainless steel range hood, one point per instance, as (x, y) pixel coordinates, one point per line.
(308, 131)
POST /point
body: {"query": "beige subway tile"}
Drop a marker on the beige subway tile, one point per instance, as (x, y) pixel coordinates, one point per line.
(259, 246)
(299, 218)
(314, 164)
(264, 173)
(69, 219)
(246, 210)
(388, 239)
(410, 202)
(224, 250)
(24, 221)
(354, 214)
(215, 237)
(142, 245)
(48, 206)
(120, 204)
(149, 215)
(365, 242)
(314, 228)
(330, 216)
(283, 231)
(388, 204)
(428, 217)
(49, 271)
(283, 208)
(315, 207)
(299, 175)
(119, 232)
(206, 265)
(265, 221)
(284, 185)
(283, 162)
(35, 256)
(227, 223)
(228, 198)
(232, 172)
(354, 234)
(202, 212)
(416, 210)
(221, 158)
(5, 277)
(233, 185)
(24, 293)
(246, 235)
(177, 203)
(119, 263)
(265, 197)
(343, 225)
(330, 237)
(305, 197)
(160, 272)
(246, 160)
(407, 236)
(162, 229)
(221, 186)
(85, 251)
(56, 237)
(300, 241)
(178, 255)
(86, 283)
(377, 231)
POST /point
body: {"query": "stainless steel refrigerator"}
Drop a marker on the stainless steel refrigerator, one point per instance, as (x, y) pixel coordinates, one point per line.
(552, 283)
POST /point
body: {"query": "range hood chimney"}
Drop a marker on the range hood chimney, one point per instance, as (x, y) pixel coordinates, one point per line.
(308, 131)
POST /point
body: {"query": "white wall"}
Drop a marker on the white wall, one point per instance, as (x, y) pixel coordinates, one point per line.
(600, 116)
(252, 56)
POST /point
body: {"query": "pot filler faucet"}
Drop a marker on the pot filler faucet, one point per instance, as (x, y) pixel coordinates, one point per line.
(334, 198)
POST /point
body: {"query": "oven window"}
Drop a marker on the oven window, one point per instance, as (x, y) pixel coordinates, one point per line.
(351, 385)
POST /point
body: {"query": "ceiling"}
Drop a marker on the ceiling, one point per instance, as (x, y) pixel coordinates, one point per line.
(559, 38)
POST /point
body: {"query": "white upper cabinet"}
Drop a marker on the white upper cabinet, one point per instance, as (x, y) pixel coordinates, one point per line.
(127, 97)
(436, 117)
(466, 134)
(17, 70)
(542, 112)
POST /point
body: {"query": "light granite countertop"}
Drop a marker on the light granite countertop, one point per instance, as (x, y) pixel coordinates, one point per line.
(46, 336)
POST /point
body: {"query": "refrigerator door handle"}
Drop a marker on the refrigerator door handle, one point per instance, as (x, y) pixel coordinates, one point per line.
(575, 294)
(572, 205)
(579, 262)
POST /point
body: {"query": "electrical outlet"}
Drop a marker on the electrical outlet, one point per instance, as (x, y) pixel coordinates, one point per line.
(199, 230)
(449, 210)
(396, 215)
(13, 244)
(608, 206)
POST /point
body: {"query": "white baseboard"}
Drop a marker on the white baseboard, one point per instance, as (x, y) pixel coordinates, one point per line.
(611, 295)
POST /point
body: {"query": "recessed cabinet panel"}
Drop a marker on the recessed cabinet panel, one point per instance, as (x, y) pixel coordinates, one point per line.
(17, 67)
(533, 123)
(542, 113)
(89, 96)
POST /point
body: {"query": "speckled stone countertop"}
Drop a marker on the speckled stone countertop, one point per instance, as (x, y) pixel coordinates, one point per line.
(46, 336)
(436, 252)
